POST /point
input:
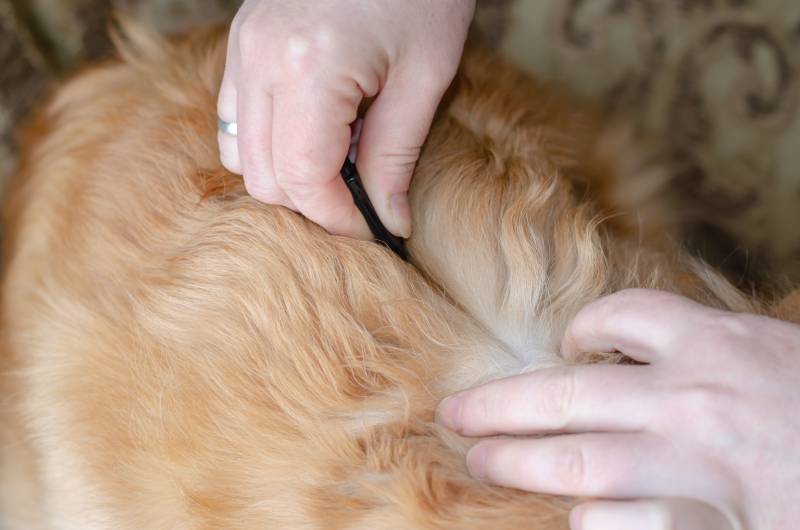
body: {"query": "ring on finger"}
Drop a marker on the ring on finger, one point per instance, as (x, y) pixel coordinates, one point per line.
(228, 127)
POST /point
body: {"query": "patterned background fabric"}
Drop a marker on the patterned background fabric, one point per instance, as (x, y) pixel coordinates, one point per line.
(715, 83)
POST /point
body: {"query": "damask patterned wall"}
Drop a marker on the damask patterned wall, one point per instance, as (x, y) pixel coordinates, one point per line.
(715, 82)
(42, 41)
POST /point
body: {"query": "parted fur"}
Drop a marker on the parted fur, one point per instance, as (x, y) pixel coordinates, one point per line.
(178, 355)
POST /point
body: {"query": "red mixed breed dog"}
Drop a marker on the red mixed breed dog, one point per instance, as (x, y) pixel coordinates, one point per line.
(178, 355)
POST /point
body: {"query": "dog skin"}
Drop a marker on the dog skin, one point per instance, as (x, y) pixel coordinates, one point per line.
(177, 355)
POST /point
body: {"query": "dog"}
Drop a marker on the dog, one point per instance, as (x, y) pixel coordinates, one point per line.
(177, 355)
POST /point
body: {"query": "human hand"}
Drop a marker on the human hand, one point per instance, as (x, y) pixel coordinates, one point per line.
(296, 73)
(704, 436)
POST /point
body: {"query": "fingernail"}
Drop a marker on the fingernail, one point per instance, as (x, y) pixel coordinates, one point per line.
(448, 413)
(401, 215)
(476, 461)
(576, 518)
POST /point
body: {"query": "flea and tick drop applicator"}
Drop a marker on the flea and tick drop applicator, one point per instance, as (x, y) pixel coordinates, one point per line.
(353, 181)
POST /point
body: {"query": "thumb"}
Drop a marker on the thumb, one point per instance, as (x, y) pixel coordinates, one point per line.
(311, 136)
(394, 131)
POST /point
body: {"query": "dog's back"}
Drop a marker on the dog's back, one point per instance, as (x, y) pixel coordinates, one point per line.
(177, 355)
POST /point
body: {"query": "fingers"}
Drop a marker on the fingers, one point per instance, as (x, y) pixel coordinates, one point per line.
(249, 152)
(311, 138)
(579, 398)
(255, 147)
(408, 53)
(394, 131)
(642, 324)
(227, 110)
(666, 514)
(589, 465)
(290, 151)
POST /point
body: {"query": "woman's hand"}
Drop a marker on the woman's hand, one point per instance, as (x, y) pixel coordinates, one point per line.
(705, 436)
(296, 73)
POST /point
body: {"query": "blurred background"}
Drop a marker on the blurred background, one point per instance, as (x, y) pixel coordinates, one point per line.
(715, 82)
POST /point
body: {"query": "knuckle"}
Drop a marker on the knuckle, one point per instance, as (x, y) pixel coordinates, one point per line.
(733, 328)
(571, 468)
(298, 54)
(701, 400)
(249, 33)
(557, 397)
(434, 78)
(236, 23)
(305, 50)
(719, 330)
(719, 336)
(262, 190)
(712, 421)
(300, 175)
(479, 408)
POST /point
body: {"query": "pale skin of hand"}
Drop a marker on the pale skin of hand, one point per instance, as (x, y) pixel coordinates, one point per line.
(704, 436)
(295, 75)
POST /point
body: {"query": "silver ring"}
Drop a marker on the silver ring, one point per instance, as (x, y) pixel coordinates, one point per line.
(228, 127)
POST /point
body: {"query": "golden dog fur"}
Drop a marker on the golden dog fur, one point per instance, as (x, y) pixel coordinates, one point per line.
(177, 355)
